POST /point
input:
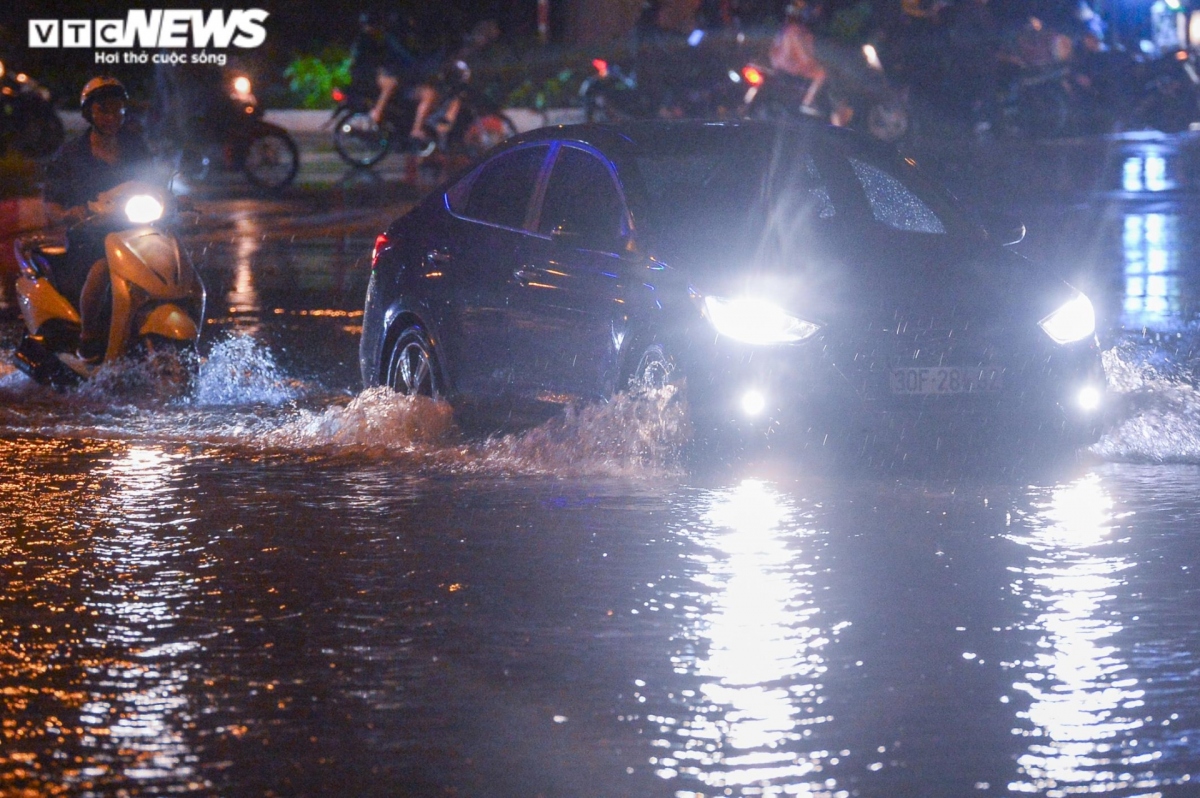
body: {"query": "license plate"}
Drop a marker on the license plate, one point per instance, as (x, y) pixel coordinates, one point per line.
(939, 380)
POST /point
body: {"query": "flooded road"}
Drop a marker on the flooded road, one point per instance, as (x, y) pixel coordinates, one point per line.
(277, 584)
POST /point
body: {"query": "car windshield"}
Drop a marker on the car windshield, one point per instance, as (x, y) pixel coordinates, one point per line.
(695, 189)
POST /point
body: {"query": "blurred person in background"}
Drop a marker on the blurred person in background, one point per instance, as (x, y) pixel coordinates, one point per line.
(793, 54)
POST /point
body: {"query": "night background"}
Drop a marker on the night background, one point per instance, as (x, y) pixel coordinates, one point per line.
(577, 30)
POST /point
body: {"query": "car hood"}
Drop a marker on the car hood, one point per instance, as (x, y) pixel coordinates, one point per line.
(878, 279)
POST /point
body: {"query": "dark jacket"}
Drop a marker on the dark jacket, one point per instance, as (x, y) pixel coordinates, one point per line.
(75, 176)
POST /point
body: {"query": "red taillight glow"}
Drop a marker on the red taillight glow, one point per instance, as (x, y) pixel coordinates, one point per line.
(601, 67)
(752, 75)
(338, 95)
(381, 243)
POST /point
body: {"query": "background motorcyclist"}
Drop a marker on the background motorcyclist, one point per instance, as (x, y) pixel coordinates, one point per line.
(794, 53)
(109, 153)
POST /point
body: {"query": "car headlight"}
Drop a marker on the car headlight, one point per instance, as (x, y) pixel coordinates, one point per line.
(1074, 321)
(756, 321)
(143, 209)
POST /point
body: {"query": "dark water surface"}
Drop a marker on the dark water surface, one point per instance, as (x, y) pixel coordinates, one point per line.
(278, 585)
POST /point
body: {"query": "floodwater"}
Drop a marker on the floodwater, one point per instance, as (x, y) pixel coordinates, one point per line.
(277, 584)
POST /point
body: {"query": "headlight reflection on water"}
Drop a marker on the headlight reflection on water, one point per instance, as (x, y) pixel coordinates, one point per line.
(1084, 712)
(138, 710)
(760, 673)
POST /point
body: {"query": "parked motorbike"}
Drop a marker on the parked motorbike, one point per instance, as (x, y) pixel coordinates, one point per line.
(687, 83)
(232, 136)
(1168, 95)
(465, 123)
(1035, 102)
(858, 95)
(28, 122)
(157, 295)
(611, 95)
(1108, 92)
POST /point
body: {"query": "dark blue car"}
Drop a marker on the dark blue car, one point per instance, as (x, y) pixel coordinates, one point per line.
(788, 279)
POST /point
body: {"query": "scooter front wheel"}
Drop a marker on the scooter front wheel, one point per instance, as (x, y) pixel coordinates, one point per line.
(360, 141)
(272, 160)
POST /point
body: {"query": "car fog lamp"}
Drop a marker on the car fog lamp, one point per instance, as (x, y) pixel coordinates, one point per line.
(1088, 398)
(143, 209)
(756, 321)
(753, 402)
(1074, 321)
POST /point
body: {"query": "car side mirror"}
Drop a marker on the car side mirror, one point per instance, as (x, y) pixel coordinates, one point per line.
(1003, 228)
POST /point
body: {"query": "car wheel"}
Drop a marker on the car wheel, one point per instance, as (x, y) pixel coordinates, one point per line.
(412, 365)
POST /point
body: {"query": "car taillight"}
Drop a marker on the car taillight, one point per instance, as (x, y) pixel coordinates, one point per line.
(338, 95)
(601, 67)
(752, 75)
(381, 243)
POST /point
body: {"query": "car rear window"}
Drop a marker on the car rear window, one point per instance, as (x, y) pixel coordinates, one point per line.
(499, 191)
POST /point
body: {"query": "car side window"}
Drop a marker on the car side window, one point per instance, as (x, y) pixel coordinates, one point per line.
(582, 199)
(500, 191)
(893, 203)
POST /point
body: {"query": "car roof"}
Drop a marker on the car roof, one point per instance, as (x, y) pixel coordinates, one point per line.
(629, 138)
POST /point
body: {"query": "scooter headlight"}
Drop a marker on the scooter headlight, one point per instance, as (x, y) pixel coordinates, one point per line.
(143, 209)
(756, 321)
(1074, 321)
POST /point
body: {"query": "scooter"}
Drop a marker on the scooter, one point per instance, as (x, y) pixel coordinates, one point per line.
(859, 95)
(233, 136)
(28, 123)
(157, 295)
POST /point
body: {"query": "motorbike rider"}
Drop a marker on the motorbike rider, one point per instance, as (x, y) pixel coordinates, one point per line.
(377, 57)
(109, 153)
(794, 54)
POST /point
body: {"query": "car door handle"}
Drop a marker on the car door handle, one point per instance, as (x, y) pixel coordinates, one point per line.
(437, 257)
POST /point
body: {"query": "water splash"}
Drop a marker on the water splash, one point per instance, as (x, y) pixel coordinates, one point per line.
(162, 377)
(377, 420)
(239, 371)
(637, 433)
(1156, 406)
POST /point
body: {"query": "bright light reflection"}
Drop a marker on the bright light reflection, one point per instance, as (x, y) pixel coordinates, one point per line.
(1151, 243)
(1083, 717)
(244, 304)
(1150, 172)
(760, 694)
(139, 709)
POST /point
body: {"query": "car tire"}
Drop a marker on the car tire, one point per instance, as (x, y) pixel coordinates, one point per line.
(412, 367)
